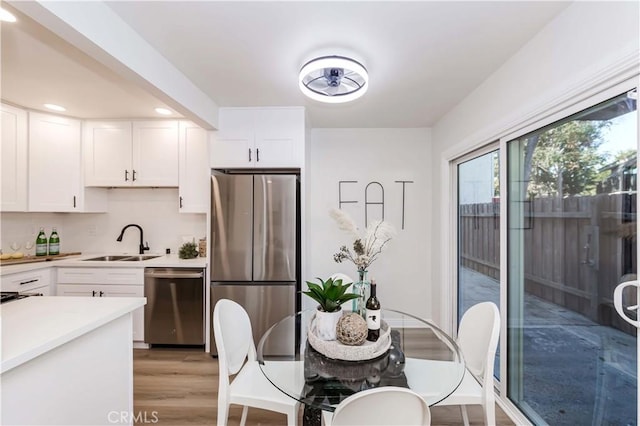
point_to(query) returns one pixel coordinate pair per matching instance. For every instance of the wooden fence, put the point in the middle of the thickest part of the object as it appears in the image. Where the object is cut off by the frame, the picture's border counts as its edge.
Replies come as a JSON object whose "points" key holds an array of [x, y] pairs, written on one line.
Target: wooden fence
{"points": [[576, 249]]}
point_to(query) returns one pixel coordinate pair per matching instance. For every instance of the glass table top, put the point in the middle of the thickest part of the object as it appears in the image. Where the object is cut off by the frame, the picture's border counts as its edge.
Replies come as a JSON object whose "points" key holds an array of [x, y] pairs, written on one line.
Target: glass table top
{"points": [[421, 357]]}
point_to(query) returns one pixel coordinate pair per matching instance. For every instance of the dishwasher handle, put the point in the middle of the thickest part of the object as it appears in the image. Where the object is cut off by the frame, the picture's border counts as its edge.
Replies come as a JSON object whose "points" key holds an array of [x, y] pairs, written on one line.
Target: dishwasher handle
{"points": [[174, 274]]}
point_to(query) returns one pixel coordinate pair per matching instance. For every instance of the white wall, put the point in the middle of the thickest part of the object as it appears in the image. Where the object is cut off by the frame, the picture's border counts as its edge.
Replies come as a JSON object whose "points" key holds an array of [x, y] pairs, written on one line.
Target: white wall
{"points": [[155, 210], [587, 43], [385, 156]]}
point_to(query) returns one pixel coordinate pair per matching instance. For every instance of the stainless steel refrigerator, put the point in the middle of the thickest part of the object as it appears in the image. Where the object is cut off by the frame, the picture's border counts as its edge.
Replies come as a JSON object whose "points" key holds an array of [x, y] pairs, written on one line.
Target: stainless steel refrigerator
{"points": [[255, 241]]}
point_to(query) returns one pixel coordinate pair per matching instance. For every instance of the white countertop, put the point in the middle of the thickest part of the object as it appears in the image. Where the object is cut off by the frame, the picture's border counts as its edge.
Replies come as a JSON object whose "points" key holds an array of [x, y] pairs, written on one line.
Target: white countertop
{"points": [[166, 261], [35, 325]]}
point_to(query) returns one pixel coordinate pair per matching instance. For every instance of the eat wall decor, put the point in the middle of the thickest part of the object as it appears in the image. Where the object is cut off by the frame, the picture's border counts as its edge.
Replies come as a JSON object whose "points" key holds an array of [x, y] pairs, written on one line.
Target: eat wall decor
{"points": [[373, 197]]}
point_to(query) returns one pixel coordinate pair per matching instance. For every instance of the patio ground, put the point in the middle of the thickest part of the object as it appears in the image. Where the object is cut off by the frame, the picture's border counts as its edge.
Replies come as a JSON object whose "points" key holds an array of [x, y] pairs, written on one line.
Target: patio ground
{"points": [[576, 371]]}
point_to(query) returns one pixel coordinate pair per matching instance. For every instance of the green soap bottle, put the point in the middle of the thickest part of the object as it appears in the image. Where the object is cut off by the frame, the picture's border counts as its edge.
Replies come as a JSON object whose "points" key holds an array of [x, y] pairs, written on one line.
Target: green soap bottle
{"points": [[41, 243], [54, 242]]}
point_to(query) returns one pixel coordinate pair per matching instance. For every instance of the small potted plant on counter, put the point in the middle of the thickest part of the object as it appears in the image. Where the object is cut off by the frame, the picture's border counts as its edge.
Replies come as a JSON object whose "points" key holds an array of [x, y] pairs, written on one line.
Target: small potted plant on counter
{"points": [[188, 251], [330, 294]]}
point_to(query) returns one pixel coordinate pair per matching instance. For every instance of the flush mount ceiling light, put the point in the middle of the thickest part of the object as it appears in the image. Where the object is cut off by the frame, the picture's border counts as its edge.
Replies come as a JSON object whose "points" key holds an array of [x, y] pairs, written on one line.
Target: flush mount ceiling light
{"points": [[55, 107], [333, 79], [6, 16], [163, 111]]}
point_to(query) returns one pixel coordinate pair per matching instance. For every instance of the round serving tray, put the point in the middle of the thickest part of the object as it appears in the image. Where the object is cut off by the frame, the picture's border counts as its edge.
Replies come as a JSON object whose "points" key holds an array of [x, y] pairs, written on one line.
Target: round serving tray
{"points": [[336, 350]]}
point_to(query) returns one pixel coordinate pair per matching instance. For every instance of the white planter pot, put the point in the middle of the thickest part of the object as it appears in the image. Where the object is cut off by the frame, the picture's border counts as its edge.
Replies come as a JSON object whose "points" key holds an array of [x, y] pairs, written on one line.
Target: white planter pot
{"points": [[326, 324]]}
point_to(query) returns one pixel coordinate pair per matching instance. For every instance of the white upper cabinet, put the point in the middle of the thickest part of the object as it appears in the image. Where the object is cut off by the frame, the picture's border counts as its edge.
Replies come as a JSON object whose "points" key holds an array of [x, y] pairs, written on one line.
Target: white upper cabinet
{"points": [[259, 138], [155, 153], [55, 167], [122, 153], [233, 144], [13, 162], [107, 153], [194, 169], [279, 137]]}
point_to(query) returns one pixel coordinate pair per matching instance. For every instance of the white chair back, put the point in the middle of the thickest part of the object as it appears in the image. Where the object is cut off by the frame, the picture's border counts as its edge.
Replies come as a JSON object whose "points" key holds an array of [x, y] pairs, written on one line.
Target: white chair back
{"points": [[340, 276], [620, 305], [478, 338], [234, 338], [385, 406]]}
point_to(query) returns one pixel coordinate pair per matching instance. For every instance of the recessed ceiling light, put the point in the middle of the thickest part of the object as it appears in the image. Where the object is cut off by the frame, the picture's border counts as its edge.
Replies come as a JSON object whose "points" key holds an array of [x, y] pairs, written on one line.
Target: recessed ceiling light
{"points": [[333, 79], [6, 16], [55, 107], [163, 111]]}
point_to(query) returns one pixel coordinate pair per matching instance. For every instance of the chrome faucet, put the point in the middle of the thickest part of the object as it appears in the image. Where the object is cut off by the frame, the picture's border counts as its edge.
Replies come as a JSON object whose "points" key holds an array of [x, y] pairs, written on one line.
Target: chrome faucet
{"points": [[143, 246]]}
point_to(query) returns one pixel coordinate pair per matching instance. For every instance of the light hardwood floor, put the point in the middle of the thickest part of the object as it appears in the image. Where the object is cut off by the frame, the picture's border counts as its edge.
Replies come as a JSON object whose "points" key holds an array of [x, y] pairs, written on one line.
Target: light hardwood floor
{"points": [[180, 387]]}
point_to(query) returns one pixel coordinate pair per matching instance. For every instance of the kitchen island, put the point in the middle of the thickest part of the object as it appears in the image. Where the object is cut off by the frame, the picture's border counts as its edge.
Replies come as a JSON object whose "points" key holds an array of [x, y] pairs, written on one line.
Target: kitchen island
{"points": [[67, 360]]}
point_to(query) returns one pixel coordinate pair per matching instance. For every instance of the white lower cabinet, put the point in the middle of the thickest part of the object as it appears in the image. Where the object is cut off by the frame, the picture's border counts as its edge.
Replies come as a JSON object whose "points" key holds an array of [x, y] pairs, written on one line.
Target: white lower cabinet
{"points": [[37, 281], [105, 282]]}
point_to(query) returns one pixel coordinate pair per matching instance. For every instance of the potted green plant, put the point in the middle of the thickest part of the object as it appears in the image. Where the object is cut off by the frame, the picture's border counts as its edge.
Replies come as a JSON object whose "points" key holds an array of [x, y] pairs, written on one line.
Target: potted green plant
{"points": [[329, 294], [188, 251]]}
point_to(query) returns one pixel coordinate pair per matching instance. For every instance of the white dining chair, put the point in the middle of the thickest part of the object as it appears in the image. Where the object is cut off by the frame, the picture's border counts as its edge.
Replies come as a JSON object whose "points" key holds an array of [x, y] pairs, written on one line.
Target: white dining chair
{"points": [[384, 406], [346, 279], [478, 339], [249, 388]]}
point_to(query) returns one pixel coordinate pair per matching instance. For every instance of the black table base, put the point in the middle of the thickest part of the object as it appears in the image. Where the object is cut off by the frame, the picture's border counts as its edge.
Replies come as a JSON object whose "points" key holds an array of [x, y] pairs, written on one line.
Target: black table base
{"points": [[311, 416], [329, 381]]}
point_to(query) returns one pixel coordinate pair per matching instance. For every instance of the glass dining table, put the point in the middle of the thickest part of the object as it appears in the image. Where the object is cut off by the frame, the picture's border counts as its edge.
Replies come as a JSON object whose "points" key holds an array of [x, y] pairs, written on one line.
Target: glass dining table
{"points": [[420, 357]]}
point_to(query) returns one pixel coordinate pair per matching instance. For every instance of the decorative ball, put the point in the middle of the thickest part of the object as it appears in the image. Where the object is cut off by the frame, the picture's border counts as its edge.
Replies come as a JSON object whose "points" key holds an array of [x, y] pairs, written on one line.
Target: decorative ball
{"points": [[351, 329]]}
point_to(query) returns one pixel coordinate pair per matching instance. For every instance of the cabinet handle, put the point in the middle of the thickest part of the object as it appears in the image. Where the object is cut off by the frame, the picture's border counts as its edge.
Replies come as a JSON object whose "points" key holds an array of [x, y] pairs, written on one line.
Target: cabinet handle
{"points": [[134, 176], [74, 201], [249, 154], [180, 202], [258, 154], [174, 275], [93, 293], [126, 175], [29, 282], [101, 293]]}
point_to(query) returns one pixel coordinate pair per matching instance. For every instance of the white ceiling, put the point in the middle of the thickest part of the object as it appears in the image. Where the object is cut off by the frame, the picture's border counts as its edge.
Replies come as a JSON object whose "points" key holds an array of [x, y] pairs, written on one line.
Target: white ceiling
{"points": [[422, 57], [38, 67]]}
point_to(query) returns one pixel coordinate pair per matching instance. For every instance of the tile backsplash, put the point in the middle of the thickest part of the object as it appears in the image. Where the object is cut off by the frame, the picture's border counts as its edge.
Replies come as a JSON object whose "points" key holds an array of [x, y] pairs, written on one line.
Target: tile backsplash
{"points": [[154, 209]]}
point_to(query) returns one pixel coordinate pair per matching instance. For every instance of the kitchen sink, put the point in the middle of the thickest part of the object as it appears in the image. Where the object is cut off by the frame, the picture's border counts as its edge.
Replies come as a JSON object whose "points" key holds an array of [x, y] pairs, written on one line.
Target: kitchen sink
{"points": [[139, 258], [126, 258], [106, 258]]}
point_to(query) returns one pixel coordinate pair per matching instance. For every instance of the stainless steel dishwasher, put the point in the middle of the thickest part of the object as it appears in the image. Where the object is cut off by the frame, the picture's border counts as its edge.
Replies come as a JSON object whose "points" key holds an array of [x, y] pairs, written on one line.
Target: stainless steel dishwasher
{"points": [[174, 313]]}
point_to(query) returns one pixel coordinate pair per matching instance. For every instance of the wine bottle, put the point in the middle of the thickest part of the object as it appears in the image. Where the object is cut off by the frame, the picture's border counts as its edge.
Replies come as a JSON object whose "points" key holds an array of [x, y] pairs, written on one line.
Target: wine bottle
{"points": [[54, 242], [41, 243], [373, 314]]}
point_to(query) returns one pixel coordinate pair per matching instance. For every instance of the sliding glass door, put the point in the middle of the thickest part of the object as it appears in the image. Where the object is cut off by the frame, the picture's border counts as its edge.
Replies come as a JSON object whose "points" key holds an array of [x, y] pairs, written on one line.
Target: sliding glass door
{"points": [[478, 191], [571, 236]]}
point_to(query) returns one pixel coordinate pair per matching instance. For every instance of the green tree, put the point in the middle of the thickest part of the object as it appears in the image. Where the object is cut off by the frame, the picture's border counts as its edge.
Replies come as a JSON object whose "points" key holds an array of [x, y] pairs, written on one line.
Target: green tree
{"points": [[624, 155], [564, 160]]}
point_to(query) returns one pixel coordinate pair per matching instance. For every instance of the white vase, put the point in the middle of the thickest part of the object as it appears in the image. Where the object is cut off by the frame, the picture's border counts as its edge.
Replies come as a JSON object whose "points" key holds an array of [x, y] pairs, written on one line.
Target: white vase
{"points": [[326, 323]]}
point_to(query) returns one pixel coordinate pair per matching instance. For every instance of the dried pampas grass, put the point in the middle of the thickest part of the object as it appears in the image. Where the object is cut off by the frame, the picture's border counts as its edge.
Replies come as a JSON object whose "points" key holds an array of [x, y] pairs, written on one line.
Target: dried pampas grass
{"points": [[344, 221], [367, 247]]}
